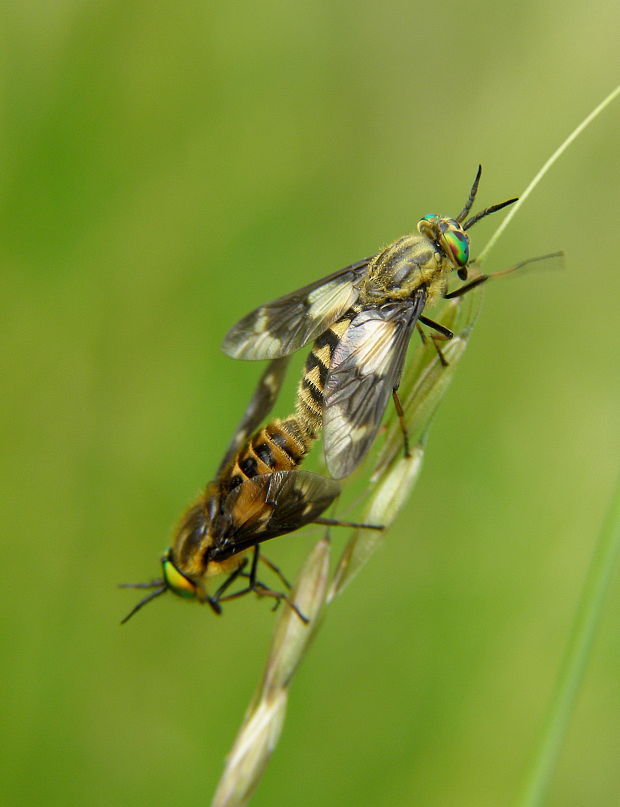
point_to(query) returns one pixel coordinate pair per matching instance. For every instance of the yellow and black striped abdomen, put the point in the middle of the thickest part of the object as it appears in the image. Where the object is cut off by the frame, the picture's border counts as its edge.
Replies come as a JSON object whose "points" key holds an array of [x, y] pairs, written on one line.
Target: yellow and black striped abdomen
{"points": [[309, 407], [279, 446], [282, 444]]}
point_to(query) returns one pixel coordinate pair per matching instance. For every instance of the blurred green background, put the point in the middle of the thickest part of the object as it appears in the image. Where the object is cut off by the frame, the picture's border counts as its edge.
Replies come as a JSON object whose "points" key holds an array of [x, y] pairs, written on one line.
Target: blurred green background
{"points": [[166, 167]]}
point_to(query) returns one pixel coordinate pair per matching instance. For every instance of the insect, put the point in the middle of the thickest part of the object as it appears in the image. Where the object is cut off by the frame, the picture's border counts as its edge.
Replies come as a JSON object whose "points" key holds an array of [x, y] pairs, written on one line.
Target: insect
{"points": [[258, 493], [363, 317]]}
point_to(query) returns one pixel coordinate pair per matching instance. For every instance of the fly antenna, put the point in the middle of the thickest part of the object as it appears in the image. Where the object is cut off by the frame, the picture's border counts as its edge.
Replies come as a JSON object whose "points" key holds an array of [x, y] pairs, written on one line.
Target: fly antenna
{"points": [[472, 196], [148, 598], [487, 211]]}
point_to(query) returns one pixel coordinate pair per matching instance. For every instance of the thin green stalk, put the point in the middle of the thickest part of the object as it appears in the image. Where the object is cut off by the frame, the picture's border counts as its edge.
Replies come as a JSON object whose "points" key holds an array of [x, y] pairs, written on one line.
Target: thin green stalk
{"points": [[552, 159], [577, 656]]}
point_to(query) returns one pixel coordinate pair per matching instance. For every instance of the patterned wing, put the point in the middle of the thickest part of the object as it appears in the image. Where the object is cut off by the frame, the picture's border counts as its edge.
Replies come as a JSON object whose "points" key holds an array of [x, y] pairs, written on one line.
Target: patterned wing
{"points": [[366, 367], [283, 326], [257, 410], [269, 505]]}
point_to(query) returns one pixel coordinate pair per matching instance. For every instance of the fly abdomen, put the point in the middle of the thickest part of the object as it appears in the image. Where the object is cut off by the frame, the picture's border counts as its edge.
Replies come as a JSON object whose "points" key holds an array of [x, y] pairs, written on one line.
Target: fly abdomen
{"points": [[288, 442], [282, 444], [309, 407], [279, 446]]}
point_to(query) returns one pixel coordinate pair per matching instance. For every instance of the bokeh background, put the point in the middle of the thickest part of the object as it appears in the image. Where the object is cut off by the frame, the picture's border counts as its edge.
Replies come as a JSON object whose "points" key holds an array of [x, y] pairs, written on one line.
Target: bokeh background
{"points": [[167, 166]]}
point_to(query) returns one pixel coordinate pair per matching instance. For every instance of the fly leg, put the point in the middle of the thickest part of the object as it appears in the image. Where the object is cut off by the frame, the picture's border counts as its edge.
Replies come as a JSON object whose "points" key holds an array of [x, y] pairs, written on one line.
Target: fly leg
{"points": [[152, 584], [334, 522], [442, 334], [261, 589], [160, 588], [276, 570], [279, 596], [401, 419], [473, 283], [482, 278], [215, 600]]}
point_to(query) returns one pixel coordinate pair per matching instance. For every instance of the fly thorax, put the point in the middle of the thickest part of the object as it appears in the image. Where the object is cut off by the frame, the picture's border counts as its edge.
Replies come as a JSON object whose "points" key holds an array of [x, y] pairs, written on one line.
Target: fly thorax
{"points": [[213, 498], [190, 536], [401, 268], [223, 546], [437, 285]]}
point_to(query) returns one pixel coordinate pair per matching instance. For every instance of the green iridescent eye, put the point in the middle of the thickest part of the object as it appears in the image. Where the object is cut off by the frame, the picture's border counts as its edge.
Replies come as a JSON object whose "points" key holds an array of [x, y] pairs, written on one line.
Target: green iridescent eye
{"points": [[177, 582], [458, 244]]}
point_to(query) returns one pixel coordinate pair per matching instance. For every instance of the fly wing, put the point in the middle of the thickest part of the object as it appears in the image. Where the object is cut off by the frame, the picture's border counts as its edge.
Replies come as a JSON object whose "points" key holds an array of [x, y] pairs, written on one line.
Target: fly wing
{"points": [[269, 505], [366, 367], [283, 326], [257, 410]]}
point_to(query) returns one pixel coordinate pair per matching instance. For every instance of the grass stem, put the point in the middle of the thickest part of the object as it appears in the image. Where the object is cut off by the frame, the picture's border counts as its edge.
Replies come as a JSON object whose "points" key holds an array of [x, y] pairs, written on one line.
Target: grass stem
{"points": [[577, 655], [552, 159]]}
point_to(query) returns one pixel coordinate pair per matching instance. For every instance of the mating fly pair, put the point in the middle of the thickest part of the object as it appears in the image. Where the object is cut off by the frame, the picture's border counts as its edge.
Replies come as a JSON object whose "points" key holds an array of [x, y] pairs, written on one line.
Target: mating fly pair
{"points": [[361, 319]]}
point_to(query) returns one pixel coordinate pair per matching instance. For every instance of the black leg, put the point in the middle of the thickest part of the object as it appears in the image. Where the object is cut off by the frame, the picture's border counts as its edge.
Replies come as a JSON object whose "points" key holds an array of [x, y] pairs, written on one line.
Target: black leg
{"points": [[280, 596], [445, 332], [436, 339], [334, 522], [214, 605], [276, 570], [403, 424], [264, 591], [152, 584], [229, 580], [143, 602], [235, 595], [467, 287], [483, 278], [254, 585], [442, 334], [254, 566]]}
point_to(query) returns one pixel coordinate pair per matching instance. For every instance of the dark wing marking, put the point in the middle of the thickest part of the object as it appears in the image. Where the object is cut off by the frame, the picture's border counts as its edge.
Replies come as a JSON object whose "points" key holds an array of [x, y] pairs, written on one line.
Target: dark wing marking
{"points": [[281, 327], [366, 366], [269, 505], [257, 410]]}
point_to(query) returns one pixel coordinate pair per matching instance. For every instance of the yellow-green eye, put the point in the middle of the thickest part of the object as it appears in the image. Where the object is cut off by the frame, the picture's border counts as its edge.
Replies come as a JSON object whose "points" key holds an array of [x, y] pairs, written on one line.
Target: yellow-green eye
{"points": [[458, 244], [175, 581]]}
